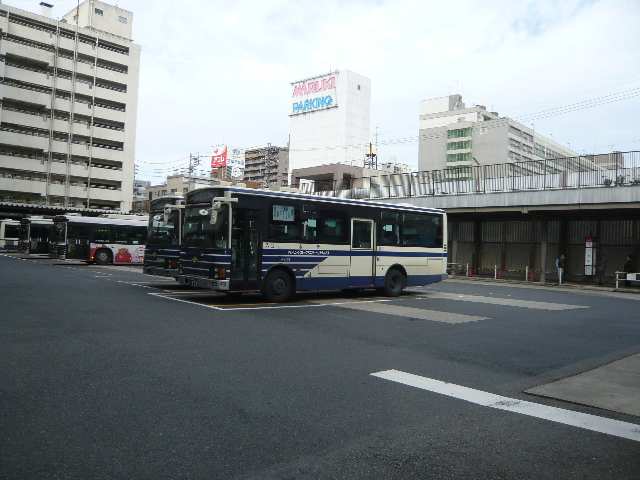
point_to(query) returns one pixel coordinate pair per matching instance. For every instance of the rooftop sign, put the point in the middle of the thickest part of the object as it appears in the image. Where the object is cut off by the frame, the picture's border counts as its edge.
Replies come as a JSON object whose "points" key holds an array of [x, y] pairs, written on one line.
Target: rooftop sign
{"points": [[313, 94]]}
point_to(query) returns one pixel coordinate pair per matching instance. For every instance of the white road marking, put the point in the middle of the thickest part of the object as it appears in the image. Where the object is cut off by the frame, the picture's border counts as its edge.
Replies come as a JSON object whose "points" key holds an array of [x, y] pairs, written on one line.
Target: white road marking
{"points": [[509, 302], [418, 313], [171, 296], [135, 284], [553, 414]]}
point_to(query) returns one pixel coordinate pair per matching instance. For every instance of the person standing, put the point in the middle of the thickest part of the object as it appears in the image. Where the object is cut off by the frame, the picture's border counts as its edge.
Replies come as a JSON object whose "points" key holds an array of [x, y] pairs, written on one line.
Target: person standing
{"points": [[560, 261]]}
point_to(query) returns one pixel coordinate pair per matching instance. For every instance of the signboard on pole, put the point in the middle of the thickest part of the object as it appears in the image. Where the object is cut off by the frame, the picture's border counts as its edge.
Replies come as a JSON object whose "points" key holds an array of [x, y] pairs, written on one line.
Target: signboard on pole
{"points": [[589, 257], [219, 157]]}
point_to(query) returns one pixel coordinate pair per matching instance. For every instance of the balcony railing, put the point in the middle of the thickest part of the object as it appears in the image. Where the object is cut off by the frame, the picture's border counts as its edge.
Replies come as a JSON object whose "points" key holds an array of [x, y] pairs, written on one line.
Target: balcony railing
{"points": [[617, 169]]}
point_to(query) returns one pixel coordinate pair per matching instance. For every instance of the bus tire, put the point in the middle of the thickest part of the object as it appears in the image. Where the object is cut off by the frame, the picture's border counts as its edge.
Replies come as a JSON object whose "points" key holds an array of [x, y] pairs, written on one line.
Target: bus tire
{"points": [[278, 286], [394, 282], [104, 257]]}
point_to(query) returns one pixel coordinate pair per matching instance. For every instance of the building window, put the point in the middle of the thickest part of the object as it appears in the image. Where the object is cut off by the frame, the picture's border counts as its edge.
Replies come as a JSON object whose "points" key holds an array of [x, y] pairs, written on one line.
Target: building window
{"points": [[459, 157], [459, 132], [466, 144], [99, 12], [122, 19]]}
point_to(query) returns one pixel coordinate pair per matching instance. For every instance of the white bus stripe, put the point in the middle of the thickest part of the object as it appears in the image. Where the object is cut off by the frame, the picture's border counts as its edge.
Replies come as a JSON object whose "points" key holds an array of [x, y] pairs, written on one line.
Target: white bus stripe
{"points": [[553, 414]]}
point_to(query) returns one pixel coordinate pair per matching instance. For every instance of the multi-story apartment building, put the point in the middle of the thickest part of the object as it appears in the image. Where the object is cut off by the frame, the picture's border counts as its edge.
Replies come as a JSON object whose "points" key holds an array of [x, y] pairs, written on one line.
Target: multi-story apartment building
{"points": [[453, 135], [179, 185], [267, 165], [69, 92]]}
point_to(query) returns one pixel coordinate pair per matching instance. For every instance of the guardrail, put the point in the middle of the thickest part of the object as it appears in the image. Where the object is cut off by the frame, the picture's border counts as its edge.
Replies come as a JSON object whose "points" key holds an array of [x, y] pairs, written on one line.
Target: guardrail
{"points": [[616, 169], [465, 269], [626, 277]]}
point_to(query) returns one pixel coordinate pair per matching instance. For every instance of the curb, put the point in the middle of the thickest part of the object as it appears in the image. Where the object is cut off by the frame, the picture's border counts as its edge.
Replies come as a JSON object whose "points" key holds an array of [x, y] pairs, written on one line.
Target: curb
{"points": [[569, 286]]}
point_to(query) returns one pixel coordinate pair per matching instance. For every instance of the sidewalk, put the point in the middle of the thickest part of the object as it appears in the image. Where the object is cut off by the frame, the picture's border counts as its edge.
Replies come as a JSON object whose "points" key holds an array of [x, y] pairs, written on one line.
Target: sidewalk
{"points": [[548, 285]]}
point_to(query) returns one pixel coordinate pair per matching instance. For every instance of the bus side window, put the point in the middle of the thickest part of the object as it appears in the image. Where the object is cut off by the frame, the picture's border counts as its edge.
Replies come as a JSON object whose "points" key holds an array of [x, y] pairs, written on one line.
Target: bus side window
{"points": [[421, 230], [129, 235], [103, 234], [310, 230], [333, 229], [283, 226], [389, 229]]}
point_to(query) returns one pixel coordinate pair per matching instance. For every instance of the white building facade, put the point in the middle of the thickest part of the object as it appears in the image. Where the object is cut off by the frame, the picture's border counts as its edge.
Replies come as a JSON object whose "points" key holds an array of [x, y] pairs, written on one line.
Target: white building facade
{"points": [[454, 135], [69, 94], [329, 120]]}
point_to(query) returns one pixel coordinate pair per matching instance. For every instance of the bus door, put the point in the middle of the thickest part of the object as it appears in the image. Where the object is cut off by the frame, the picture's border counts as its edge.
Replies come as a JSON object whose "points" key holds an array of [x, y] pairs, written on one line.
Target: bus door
{"points": [[245, 241], [362, 269]]}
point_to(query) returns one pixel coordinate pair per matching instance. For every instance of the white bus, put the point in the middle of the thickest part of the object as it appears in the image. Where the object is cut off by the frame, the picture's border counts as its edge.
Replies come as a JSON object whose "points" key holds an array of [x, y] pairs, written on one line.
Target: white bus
{"points": [[34, 235], [238, 239], [9, 234], [99, 240]]}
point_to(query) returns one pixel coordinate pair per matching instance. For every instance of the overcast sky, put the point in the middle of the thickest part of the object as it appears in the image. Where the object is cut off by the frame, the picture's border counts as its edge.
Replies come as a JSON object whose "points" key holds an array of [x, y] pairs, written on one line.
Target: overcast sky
{"points": [[217, 72]]}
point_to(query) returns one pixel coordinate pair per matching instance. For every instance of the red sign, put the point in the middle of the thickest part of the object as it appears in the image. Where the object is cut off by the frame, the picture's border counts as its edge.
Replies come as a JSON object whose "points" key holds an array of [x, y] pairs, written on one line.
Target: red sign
{"points": [[219, 157]]}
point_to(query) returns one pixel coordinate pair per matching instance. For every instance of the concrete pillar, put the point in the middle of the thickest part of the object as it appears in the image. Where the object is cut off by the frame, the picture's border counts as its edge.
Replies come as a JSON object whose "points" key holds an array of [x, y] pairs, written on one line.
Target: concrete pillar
{"points": [[503, 246], [543, 251], [477, 244], [563, 246]]}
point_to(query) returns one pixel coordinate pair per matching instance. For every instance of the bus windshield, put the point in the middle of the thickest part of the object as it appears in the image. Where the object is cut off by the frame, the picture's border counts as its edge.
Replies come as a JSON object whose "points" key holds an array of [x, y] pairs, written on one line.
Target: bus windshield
{"points": [[198, 230], [163, 233]]}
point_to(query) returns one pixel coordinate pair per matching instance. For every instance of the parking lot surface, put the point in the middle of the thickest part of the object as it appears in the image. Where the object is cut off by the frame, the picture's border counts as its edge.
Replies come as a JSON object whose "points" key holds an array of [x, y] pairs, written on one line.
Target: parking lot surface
{"points": [[109, 373]]}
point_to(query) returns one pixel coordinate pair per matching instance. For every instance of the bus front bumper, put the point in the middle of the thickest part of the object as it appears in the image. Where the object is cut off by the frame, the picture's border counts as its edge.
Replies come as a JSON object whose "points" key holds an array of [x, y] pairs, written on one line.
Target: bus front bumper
{"points": [[200, 282]]}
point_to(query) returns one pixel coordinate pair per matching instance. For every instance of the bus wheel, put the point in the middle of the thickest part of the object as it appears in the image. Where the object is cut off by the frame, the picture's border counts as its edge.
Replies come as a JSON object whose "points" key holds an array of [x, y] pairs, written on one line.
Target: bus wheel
{"points": [[104, 257], [278, 286], [394, 282]]}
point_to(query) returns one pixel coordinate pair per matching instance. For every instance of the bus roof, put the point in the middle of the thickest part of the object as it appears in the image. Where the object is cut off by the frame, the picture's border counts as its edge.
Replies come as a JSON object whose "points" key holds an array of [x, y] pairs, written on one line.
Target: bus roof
{"points": [[37, 220], [321, 199], [133, 222]]}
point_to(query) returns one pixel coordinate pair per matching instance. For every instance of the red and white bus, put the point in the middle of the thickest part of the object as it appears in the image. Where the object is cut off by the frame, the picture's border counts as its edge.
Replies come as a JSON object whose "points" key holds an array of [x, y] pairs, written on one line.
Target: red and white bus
{"points": [[118, 241]]}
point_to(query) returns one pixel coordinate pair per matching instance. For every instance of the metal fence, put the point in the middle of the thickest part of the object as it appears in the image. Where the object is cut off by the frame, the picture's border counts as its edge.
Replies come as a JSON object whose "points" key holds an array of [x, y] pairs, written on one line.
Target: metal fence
{"points": [[617, 169]]}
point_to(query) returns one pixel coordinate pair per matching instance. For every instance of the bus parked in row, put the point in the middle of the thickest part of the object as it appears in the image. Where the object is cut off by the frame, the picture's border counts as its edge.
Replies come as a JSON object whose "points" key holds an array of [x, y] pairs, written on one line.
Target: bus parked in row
{"points": [[100, 240], [9, 234], [34, 235], [163, 236], [239, 239]]}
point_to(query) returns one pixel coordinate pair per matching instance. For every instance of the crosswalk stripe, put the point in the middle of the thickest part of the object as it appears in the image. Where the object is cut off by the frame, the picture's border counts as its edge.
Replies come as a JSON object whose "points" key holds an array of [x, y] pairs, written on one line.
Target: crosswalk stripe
{"points": [[508, 302], [411, 312]]}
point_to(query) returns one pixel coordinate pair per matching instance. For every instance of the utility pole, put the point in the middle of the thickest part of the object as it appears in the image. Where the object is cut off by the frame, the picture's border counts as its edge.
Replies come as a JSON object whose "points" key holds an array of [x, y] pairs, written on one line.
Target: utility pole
{"points": [[371, 158], [194, 161]]}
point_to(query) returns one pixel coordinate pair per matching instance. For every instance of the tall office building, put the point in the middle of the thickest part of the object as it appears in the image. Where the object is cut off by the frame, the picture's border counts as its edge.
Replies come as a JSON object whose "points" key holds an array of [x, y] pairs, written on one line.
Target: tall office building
{"points": [[69, 93], [329, 120], [454, 135]]}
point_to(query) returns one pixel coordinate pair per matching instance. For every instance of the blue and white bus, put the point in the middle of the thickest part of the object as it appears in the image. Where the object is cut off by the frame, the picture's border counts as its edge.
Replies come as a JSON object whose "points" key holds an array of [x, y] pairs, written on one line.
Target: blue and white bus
{"points": [[240, 239], [162, 250]]}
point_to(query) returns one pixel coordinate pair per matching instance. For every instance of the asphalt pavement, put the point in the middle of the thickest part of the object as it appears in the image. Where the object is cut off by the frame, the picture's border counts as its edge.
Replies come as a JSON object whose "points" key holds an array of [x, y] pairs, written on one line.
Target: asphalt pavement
{"points": [[107, 373]]}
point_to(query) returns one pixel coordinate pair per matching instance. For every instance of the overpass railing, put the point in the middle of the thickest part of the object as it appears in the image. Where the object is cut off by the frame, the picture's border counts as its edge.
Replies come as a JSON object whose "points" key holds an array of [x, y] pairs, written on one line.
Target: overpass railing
{"points": [[617, 169]]}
